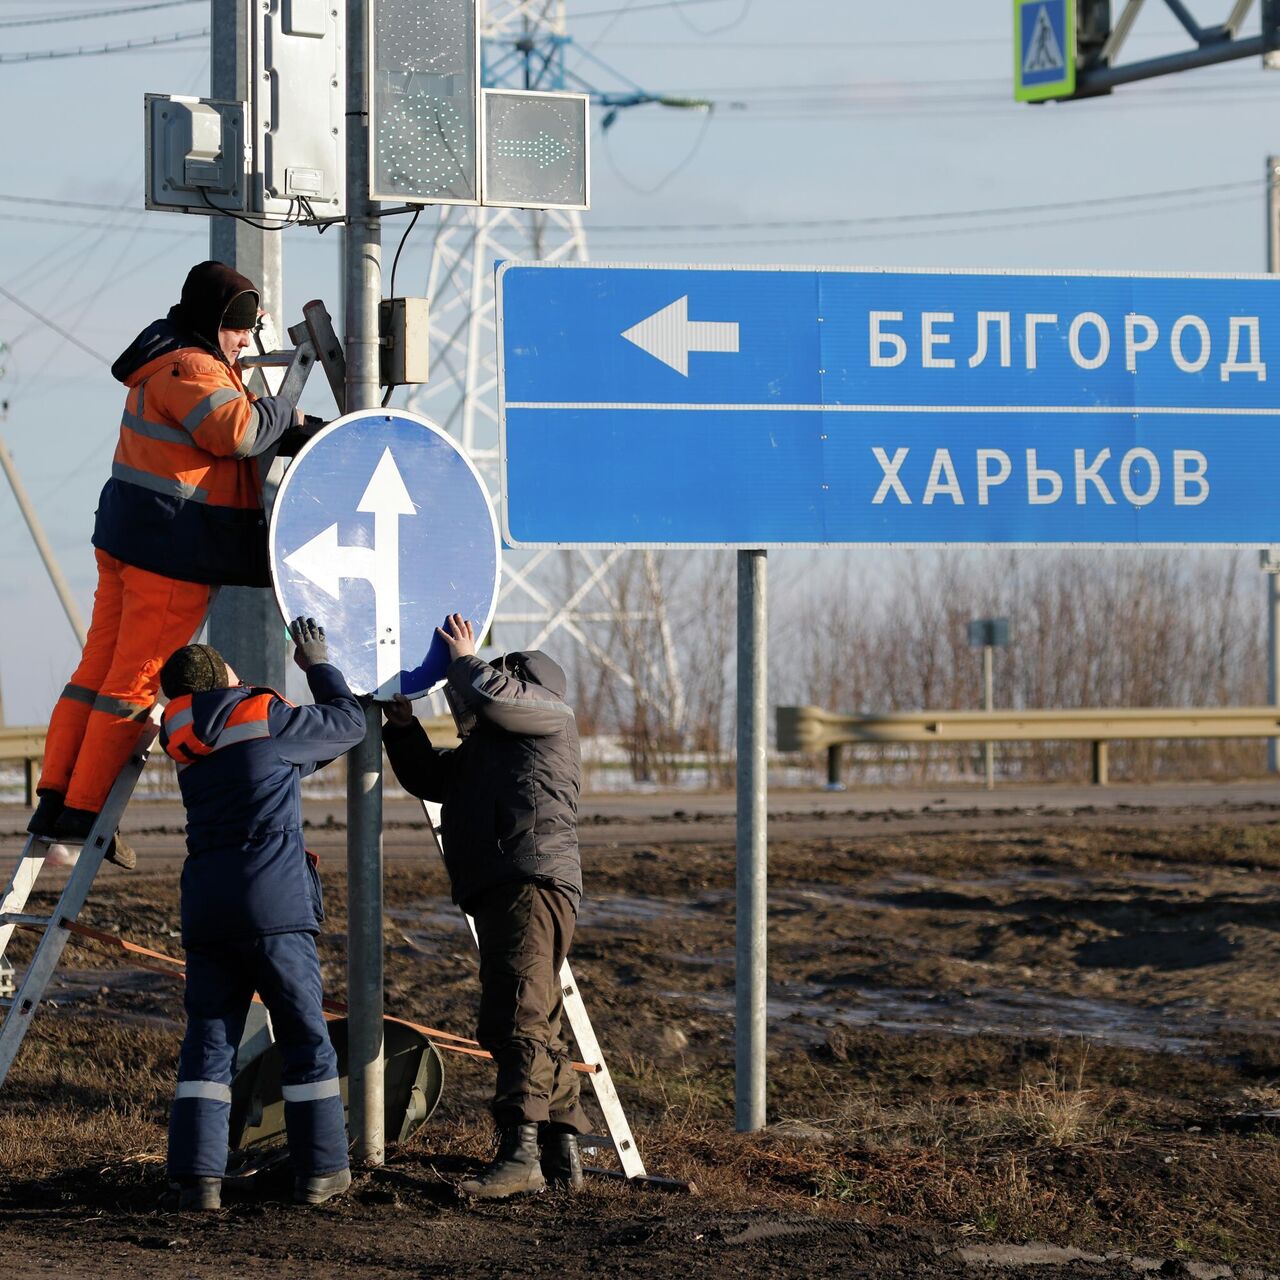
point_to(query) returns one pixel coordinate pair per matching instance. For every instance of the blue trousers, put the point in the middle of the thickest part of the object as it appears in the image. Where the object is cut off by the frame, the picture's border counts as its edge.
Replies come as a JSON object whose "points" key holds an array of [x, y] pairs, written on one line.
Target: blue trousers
{"points": [[284, 970]]}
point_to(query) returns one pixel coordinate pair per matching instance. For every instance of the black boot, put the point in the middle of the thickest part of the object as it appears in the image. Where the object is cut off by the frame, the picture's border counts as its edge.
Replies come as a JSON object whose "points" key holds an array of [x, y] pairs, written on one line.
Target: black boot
{"points": [[515, 1169], [46, 814], [562, 1160], [316, 1188], [198, 1195]]}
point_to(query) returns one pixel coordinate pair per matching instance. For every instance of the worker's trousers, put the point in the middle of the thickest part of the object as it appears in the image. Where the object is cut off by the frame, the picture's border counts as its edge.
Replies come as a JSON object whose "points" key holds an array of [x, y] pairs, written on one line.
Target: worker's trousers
{"points": [[285, 971], [139, 619], [524, 932]]}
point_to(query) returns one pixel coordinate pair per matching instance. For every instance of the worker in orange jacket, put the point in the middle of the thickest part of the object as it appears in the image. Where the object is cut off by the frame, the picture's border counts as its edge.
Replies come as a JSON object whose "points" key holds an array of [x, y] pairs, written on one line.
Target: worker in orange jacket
{"points": [[181, 514]]}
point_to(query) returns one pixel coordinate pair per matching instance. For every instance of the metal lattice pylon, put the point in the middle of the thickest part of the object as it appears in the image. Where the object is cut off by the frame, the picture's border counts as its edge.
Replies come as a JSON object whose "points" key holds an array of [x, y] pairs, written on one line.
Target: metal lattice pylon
{"points": [[610, 604]]}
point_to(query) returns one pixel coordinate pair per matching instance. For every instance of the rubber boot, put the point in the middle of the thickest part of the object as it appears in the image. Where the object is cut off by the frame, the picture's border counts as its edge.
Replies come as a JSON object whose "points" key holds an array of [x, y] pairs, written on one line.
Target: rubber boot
{"points": [[320, 1187], [47, 813], [198, 1195], [73, 827], [562, 1161], [515, 1170]]}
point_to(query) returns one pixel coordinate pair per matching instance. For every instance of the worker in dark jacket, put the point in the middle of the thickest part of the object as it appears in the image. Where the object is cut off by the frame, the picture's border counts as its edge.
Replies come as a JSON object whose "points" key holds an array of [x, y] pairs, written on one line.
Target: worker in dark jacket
{"points": [[509, 793], [180, 514], [251, 907]]}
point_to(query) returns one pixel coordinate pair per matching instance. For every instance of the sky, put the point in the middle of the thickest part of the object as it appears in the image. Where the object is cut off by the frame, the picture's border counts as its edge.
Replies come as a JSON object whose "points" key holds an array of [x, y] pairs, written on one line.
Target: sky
{"points": [[843, 132]]}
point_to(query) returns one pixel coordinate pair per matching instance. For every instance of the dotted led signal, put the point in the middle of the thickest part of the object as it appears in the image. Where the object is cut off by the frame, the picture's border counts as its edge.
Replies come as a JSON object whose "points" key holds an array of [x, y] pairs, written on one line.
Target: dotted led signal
{"points": [[423, 130]]}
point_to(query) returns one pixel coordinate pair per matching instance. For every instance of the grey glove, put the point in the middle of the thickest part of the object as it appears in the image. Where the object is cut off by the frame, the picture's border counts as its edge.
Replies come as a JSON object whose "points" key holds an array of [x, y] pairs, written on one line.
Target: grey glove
{"points": [[308, 635]]}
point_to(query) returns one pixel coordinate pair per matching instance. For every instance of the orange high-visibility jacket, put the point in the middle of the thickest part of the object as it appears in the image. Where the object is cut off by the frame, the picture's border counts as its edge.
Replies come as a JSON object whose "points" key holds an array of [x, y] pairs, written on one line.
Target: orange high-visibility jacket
{"points": [[184, 499]]}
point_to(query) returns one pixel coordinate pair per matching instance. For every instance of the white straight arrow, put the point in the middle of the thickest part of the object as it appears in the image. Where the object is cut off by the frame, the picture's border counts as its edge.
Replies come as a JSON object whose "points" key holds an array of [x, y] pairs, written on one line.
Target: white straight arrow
{"points": [[326, 563], [669, 335]]}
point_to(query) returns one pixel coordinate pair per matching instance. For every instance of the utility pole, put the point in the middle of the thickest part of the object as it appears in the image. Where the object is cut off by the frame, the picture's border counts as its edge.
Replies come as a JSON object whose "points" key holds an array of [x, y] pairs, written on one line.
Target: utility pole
{"points": [[245, 623], [362, 274], [52, 568], [1270, 559]]}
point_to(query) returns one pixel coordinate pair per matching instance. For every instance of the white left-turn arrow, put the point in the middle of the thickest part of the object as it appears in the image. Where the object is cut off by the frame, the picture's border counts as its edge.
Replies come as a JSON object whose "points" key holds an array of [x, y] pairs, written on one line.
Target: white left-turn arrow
{"points": [[669, 335], [326, 563]]}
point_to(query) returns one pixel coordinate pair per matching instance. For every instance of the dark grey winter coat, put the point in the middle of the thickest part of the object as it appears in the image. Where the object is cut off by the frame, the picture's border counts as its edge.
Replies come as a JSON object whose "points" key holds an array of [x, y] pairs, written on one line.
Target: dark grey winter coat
{"points": [[509, 791]]}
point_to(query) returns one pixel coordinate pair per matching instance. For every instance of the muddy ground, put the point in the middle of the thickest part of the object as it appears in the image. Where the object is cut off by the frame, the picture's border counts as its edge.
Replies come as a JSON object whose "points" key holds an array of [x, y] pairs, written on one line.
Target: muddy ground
{"points": [[1027, 1041]]}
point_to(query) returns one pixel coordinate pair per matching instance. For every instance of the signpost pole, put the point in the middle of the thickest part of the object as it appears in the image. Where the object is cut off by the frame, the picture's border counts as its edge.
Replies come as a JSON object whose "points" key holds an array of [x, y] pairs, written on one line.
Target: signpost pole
{"points": [[752, 868], [362, 274], [988, 701], [1270, 563]]}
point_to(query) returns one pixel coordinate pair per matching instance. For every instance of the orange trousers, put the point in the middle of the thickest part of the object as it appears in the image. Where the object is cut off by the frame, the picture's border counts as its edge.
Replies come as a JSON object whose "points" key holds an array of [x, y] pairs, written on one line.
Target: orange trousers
{"points": [[139, 619]]}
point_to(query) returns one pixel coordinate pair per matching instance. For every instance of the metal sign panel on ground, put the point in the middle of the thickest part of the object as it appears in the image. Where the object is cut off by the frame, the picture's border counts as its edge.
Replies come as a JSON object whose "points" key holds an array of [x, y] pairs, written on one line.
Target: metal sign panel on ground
{"points": [[769, 406], [380, 530]]}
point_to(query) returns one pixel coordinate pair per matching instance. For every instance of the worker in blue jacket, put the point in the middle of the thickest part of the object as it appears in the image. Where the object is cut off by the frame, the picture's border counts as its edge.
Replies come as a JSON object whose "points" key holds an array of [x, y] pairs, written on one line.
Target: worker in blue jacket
{"points": [[251, 907]]}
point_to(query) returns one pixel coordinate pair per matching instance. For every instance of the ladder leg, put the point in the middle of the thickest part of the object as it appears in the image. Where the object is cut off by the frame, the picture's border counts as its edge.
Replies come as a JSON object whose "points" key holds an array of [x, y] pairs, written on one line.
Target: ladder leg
{"points": [[601, 1081], [21, 883], [74, 894]]}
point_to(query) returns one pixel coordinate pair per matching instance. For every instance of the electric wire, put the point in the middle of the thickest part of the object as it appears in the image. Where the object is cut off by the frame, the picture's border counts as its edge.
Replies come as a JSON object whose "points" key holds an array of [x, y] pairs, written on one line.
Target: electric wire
{"points": [[53, 324], [126, 46], [938, 232], [714, 31], [671, 175], [93, 14]]}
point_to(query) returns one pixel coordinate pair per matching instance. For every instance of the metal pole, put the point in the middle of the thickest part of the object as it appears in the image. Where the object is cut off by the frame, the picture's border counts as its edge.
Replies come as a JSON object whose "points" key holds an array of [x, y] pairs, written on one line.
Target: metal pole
{"points": [[1270, 562], [989, 702], [42, 544], [834, 782], [752, 966], [362, 272], [244, 625]]}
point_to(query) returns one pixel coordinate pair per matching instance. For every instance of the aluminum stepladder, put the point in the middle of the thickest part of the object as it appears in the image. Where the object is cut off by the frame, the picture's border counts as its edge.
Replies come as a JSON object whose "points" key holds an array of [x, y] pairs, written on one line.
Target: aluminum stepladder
{"points": [[314, 340], [575, 1009], [20, 1009]]}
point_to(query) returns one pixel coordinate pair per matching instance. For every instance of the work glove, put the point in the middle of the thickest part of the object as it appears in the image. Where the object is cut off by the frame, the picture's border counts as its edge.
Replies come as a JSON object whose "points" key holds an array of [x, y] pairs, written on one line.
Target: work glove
{"points": [[308, 636], [292, 441]]}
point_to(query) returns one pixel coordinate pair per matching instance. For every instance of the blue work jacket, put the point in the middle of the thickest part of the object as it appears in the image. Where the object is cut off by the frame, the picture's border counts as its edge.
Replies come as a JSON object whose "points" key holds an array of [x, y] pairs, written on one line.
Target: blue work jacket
{"points": [[241, 756]]}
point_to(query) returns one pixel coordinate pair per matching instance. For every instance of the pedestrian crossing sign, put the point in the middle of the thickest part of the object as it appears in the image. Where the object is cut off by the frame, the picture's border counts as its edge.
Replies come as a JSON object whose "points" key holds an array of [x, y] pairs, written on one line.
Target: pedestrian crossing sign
{"points": [[1044, 46]]}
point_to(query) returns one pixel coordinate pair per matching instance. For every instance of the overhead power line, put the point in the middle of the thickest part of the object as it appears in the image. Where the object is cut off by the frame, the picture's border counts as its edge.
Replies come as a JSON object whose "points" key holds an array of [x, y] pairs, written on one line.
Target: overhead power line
{"points": [[785, 224], [997, 211], [52, 324], [92, 51], [88, 15]]}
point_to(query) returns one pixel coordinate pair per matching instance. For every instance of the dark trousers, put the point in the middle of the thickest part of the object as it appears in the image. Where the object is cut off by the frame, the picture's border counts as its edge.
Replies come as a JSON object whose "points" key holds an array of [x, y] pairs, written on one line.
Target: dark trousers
{"points": [[524, 931], [284, 970]]}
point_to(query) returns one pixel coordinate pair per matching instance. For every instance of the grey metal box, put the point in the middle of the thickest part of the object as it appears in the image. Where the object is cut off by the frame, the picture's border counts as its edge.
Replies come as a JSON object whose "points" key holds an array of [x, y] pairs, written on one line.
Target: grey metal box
{"points": [[406, 341], [424, 77], [195, 154], [298, 107], [536, 149]]}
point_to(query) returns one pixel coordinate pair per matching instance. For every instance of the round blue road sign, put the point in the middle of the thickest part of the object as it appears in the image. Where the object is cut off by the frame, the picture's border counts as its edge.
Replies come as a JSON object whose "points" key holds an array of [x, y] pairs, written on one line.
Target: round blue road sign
{"points": [[381, 529]]}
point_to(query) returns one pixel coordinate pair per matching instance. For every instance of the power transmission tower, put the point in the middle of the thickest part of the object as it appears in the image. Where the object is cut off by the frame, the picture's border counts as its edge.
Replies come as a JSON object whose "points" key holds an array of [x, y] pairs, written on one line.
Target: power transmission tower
{"points": [[609, 604]]}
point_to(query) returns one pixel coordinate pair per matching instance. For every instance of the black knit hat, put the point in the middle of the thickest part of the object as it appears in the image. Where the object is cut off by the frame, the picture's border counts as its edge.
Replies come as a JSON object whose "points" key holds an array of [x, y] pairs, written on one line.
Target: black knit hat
{"points": [[241, 312], [209, 291], [195, 668]]}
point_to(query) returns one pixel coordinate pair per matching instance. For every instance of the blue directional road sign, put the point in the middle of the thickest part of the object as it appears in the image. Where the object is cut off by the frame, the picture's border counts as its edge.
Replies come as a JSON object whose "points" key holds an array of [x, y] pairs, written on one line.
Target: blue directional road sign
{"points": [[766, 406], [380, 530]]}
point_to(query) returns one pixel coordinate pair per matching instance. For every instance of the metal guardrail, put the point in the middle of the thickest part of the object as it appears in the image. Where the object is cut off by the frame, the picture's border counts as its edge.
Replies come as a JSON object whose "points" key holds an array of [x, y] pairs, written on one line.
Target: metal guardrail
{"points": [[811, 729], [25, 742]]}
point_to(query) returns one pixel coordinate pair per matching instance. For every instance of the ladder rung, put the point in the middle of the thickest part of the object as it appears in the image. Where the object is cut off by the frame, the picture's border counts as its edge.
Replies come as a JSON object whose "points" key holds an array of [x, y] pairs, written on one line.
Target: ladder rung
{"points": [[18, 917]]}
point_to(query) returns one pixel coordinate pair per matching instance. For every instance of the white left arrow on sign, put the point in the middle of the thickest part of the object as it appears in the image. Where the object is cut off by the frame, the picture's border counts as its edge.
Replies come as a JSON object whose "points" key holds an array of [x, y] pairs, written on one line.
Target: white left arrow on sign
{"points": [[670, 336], [325, 562]]}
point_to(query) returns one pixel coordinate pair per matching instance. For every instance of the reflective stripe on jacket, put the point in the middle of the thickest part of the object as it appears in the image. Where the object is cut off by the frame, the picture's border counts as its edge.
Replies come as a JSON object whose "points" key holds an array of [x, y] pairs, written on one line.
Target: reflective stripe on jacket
{"points": [[241, 755], [183, 499]]}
